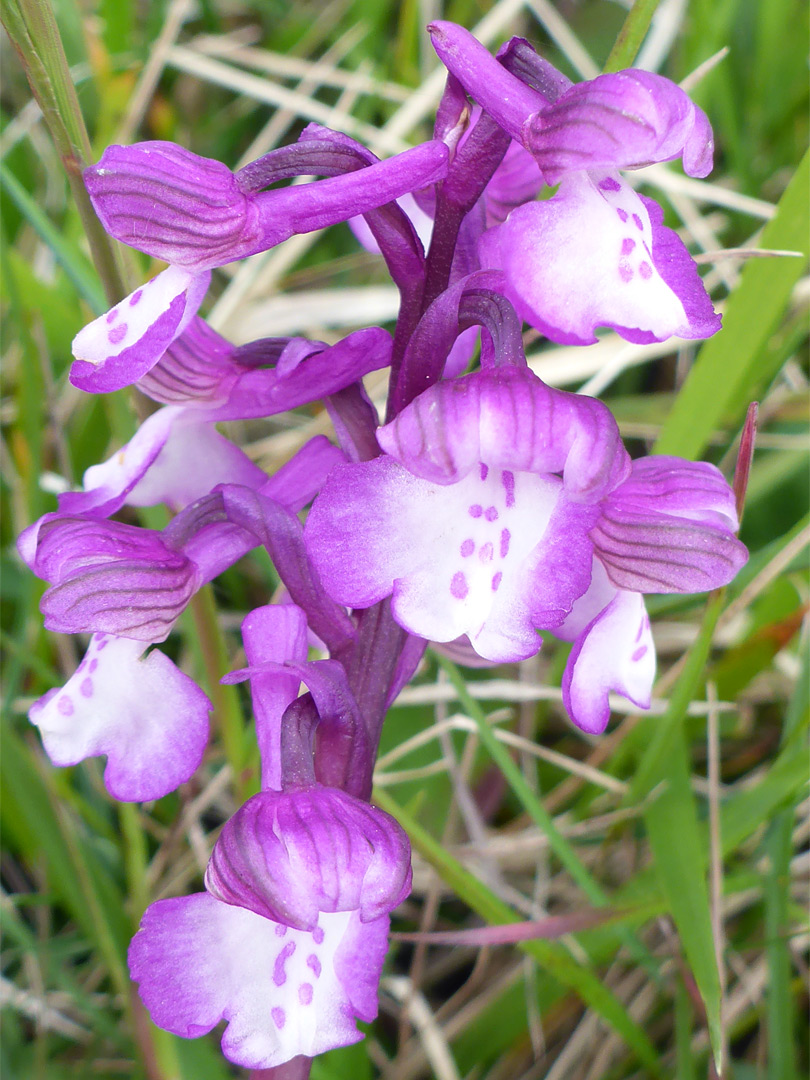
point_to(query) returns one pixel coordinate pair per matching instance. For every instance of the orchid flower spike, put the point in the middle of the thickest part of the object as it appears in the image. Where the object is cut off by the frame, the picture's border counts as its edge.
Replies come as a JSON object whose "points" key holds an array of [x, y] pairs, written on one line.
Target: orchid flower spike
{"points": [[596, 253]]}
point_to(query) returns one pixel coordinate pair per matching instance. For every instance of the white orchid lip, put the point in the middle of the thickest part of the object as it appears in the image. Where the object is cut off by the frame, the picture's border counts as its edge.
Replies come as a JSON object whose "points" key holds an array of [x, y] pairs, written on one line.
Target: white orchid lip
{"points": [[143, 713]]}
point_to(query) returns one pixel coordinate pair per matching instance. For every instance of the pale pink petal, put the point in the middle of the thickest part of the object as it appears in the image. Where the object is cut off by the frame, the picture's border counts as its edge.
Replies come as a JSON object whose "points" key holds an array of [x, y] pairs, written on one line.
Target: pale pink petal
{"points": [[149, 718], [118, 348], [194, 459], [283, 992], [594, 256], [466, 558], [615, 652]]}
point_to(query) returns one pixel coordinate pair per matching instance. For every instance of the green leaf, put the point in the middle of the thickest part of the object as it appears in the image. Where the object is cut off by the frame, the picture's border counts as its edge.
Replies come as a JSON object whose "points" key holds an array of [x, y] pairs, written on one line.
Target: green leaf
{"points": [[631, 35], [679, 849], [674, 832], [727, 371]]}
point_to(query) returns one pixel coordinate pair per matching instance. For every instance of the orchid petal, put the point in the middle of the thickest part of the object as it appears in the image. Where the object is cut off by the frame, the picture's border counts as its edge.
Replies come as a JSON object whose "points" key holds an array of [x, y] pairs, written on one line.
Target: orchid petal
{"points": [[455, 557], [511, 420], [111, 577], [273, 632], [173, 204], [670, 528], [149, 718], [289, 855], [304, 374], [216, 460], [623, 119], [614, 652], [505, 98], [199, 367], [120, 347], [283, 992], [596, 254], [109, 485]]}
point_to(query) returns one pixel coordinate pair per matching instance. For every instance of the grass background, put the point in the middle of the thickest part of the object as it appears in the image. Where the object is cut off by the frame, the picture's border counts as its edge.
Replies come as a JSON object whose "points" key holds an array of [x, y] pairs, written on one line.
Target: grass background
{"points": [[690, 825]]}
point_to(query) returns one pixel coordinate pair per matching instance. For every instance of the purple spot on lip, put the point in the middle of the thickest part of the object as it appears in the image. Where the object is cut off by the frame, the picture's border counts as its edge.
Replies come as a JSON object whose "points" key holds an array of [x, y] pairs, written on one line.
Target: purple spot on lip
{"points": [[305, 994], [118, 333], [86, 688], [491, 514], [609, 184], [112, 315], [281, 929], [314, 965], [637, 221], [640, 631], [496, 581], [623, 215], [625, 273], [458, 586], [317, 935], [645, 270], [485, 553], [65, 706], [102, 644], [476, 511], [279, 1017], [484, 471], [467, 548], [637, 655], [506, 536], [627, 245], [279, 974], [93, 665], [133, 300], [508, 480]]}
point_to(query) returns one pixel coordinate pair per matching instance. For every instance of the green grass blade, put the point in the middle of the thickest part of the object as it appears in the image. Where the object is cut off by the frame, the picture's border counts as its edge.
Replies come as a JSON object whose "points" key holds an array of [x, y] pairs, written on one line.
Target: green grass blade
{"points": [[679, 848], [552, 957], [780, 1002], [631, 35], [672, 823]]}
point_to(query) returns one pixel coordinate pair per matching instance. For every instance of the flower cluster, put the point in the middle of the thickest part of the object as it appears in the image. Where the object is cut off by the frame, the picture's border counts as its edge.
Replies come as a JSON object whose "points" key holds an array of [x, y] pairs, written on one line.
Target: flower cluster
{"points": [[486, 508]]}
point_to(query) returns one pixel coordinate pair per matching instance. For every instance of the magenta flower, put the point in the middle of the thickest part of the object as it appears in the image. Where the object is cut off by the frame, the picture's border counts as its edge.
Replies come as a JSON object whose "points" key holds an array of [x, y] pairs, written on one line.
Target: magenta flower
{"points": [[288, 943], [196, 215], [128, 586], [596, 253], [495, 499]]}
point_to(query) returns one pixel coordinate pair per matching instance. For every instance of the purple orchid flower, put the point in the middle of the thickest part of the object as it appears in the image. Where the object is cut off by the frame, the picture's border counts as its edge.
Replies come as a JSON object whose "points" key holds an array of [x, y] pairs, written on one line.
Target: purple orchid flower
{"points": [[288, 943], [196, 215], [596, 253], [486, 512], [128, 586]]}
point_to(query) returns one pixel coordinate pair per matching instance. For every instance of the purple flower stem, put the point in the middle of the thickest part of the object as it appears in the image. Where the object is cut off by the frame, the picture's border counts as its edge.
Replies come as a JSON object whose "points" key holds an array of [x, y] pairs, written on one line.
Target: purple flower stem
{"points": [[469, 174], [372, 667], [297, 1068]]}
